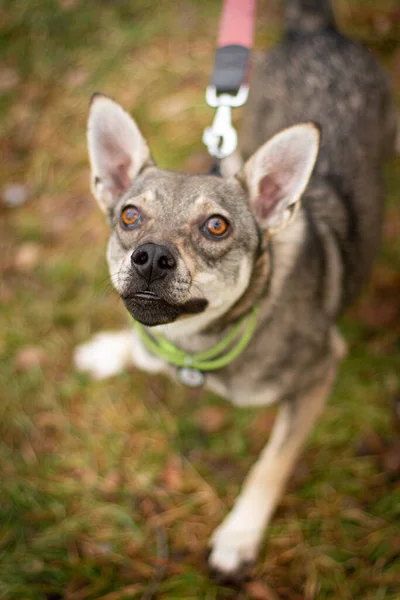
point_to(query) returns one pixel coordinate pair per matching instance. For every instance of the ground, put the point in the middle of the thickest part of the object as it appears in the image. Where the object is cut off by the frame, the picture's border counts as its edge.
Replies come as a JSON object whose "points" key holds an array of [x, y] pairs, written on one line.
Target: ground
{"points": [[109, 491]]}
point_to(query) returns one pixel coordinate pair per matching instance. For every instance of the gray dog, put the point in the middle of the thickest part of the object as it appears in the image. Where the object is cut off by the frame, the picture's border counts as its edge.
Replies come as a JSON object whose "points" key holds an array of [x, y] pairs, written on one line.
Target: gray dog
{"points": [[273, 253]]}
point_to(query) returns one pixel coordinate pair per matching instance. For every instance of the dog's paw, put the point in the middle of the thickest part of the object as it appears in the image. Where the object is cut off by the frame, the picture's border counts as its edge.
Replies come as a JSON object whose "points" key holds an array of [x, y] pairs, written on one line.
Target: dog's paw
{"points": [[106, 354], [232, 554]]}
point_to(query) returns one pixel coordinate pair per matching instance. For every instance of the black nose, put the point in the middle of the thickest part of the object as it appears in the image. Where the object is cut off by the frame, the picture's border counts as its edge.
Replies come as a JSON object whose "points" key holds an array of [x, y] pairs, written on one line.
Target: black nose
{"points": [[152, 261]]}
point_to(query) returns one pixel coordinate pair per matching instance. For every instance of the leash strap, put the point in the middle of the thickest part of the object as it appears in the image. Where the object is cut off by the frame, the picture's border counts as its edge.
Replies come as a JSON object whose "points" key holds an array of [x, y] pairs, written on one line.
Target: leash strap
{"points": [[228, 87], [234, 45]]}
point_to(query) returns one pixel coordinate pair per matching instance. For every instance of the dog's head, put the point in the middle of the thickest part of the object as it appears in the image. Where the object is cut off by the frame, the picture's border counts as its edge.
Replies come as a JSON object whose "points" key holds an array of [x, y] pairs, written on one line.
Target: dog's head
{"points": [[183, 246]]}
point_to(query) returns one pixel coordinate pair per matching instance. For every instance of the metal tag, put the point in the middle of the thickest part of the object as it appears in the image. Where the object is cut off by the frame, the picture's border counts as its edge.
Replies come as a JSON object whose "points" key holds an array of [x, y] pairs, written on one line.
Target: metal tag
{"points": [[191, 377]]}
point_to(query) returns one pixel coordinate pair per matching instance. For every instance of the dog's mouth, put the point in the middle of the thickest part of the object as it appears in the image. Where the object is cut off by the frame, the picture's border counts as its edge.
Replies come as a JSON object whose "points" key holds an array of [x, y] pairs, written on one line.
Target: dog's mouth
{"points": [[147, 295], [150, 309]]}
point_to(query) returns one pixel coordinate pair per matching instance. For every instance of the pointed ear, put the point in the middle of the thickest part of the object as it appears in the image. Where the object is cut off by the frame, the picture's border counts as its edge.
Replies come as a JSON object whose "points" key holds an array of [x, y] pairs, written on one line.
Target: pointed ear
{"points": [[277, 174], [117, 150]]}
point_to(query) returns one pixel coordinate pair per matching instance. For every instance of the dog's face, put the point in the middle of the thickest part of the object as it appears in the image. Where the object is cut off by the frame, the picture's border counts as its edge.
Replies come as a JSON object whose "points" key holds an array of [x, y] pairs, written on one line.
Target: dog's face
{"points": [[180, 245], [183, 246]]}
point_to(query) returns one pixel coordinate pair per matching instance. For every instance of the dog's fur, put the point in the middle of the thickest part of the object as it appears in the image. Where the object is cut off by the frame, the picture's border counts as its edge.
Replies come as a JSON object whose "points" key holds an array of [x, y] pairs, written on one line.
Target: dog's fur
{"points": [[300, 269]]}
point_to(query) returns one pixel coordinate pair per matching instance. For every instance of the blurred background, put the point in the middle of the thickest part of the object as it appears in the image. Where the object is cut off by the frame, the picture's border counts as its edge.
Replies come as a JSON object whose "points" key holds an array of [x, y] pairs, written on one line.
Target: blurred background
{"points": [[110, 490]]}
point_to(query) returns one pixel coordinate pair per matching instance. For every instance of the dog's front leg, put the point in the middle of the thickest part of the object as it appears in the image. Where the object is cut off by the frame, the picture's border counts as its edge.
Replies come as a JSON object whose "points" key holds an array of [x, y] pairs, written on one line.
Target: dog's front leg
{"points": [[236, 541], [110, 352]]}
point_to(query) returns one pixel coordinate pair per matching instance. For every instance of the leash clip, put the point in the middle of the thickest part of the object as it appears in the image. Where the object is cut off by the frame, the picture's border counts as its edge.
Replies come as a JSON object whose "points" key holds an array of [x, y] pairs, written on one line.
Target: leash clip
{"points": [[221, 137]]}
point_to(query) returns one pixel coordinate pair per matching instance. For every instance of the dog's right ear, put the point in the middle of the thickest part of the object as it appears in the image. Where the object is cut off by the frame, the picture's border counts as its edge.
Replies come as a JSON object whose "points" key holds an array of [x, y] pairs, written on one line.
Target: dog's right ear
{"points": [[117, 150]]}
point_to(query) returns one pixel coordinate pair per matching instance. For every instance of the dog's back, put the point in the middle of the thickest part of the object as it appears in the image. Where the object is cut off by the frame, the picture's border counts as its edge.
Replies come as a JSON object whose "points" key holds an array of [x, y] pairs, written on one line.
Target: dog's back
{"points": [[317, 74]]}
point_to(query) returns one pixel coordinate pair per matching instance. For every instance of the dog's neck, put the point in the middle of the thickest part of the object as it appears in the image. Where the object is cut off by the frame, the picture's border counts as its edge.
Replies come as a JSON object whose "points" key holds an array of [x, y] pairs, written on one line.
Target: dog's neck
{"points": [[185, 331], [188, 329], [256, 289]]}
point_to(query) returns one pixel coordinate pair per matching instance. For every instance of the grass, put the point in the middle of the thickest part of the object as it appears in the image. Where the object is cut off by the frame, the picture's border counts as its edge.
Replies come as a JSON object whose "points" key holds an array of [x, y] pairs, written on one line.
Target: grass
{"points": [[110, 491]]}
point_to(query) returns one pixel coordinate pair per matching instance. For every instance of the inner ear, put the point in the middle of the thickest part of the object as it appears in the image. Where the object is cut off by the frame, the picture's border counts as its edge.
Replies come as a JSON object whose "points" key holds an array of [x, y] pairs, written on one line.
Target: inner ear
{"points": [[119, 173], [269, 193], [117, 150]]}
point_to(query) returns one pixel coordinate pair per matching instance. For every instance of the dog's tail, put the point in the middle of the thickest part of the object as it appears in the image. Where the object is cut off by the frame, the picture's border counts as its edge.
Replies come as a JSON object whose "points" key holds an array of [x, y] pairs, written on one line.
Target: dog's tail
{"points": [[309, 16]]}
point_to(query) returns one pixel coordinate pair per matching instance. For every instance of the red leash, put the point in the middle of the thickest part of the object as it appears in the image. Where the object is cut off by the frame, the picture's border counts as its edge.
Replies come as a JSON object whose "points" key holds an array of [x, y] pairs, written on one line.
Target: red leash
{"points": [[228, 83], [234, 45]]}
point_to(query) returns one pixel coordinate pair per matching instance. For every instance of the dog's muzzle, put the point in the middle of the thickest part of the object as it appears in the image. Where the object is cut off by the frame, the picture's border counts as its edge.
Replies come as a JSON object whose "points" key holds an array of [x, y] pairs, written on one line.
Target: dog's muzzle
{"points": [[154, 266], [150, 309]]}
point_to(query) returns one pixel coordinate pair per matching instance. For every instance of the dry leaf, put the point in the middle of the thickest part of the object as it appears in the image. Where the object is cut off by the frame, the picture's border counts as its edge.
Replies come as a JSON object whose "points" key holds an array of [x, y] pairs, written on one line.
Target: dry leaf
{"points": [[211, 419], [111, 482], [9, 79], [258, 590], [172, 475], [27, 256], [391, 459], [29, 357]]}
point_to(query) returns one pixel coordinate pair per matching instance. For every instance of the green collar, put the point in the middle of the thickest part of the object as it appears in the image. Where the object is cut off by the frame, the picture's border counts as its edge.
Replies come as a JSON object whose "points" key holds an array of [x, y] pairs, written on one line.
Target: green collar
{"points": [[192, 366]]}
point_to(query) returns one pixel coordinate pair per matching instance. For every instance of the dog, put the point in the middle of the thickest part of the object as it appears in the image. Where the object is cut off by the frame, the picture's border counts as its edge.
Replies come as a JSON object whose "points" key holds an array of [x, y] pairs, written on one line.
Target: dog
{"points": [[286, 243]]}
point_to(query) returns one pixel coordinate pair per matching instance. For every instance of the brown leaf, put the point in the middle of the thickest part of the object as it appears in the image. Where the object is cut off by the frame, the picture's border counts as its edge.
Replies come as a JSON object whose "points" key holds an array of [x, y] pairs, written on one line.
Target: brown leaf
{"points": [[378, 312], [67, 5], [76, 78], [27, 256], [396, 413], [6, 295], [391, 459], [260, 591], [300, 474], [148, 507], [29, 357], [262, 424], [86, 475], [259, 430], [211, 419], [111, 482], [9, 79], [370, 444], [380, 308], [50, 421], [172, 475]]}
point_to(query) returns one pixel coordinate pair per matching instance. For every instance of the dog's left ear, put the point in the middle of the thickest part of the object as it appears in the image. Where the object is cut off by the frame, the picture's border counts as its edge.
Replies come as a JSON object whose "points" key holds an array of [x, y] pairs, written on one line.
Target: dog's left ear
{"points": [[277, 174], [117, 150]]}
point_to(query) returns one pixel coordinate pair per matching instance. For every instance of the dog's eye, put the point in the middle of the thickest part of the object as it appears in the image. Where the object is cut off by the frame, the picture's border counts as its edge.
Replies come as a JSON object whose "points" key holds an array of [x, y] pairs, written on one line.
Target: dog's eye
{"points": [[216, 227], [130, 217]]}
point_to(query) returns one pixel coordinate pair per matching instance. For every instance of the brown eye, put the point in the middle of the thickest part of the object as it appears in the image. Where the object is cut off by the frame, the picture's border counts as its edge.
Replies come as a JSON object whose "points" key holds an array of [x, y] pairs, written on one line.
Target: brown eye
{"points": [[216, 226], [130, 217]]}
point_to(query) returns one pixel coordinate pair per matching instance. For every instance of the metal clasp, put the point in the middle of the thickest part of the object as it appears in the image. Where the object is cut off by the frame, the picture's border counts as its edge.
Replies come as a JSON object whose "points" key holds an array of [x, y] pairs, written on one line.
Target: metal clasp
{"points": [[221, 137]]}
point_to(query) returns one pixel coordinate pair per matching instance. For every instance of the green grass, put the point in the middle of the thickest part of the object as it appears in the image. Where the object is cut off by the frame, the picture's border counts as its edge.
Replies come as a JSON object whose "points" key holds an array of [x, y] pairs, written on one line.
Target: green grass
{"points": [[110, 490]]}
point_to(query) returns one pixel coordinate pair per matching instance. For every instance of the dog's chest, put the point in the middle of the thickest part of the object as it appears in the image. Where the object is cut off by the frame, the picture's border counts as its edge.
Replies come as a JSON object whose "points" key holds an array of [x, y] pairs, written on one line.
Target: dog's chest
{"points": [[279, 356]]}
